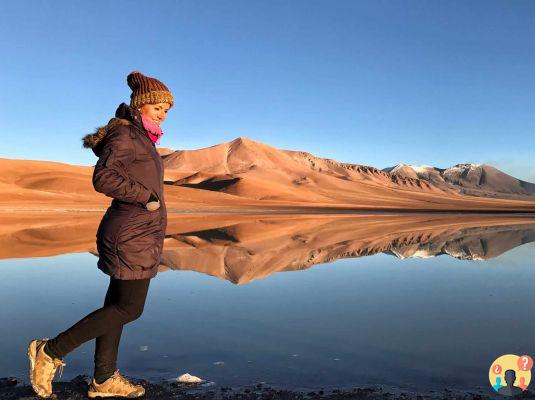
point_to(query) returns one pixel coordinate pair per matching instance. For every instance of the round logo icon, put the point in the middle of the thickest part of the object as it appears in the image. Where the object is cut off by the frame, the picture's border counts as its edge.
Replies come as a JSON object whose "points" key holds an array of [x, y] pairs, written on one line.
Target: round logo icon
{"points": [[510, 374]]}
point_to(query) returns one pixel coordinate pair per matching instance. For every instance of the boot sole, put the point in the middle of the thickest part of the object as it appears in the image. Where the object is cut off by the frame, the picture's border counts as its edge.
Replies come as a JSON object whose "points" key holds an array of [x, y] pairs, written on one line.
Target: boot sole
{"points": [[92, 395], [32, 355]]}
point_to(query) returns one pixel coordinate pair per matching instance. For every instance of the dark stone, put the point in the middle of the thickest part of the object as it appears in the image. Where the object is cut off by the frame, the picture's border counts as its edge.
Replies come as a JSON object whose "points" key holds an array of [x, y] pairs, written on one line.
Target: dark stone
{"points": [[7, 382]]}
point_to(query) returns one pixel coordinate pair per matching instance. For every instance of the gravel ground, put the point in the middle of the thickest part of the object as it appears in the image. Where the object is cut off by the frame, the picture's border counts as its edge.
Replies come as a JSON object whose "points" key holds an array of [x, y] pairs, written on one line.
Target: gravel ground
{"points": [[76, 389]]}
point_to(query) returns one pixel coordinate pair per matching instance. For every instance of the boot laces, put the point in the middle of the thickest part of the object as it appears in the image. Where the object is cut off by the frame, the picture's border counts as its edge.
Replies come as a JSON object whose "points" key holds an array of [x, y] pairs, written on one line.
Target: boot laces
{"points": [[123, 380], [58, 363]]}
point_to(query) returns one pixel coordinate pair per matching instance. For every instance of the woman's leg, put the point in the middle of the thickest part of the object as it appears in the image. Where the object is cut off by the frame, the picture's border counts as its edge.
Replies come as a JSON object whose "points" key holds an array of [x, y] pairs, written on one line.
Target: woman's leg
{"points": [[106, 349], [127, 300], [107, 345]]}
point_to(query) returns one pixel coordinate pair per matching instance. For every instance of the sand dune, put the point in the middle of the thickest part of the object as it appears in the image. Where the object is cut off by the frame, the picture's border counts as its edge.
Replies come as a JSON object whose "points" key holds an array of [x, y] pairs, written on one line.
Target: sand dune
{"points": [[245, 174], [242, 248]]}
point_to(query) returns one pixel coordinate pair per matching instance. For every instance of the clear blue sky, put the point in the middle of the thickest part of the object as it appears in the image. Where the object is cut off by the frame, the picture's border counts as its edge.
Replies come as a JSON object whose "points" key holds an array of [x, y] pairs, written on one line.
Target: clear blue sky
{"points": [[369, 82]]}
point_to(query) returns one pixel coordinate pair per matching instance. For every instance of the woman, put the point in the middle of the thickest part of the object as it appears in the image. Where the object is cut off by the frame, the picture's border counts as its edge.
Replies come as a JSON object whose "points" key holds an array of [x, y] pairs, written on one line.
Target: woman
{"points": [[129, 238]]}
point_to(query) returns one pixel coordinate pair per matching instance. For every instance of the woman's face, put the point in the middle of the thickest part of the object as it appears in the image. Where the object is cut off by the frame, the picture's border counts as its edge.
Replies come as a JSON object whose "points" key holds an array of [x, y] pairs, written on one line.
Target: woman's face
{"points": [[155, 112]]}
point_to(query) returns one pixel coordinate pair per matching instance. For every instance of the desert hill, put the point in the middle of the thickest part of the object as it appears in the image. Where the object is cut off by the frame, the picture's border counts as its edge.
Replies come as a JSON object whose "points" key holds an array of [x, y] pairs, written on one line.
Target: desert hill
{"points": [[246, 174], [244, 166], [255, 170]]}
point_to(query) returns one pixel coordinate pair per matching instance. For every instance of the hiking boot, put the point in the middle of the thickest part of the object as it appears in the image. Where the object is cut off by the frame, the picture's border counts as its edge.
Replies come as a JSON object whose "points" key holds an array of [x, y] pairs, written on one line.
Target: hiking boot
{"points": [[115, 386], [42, 368]]}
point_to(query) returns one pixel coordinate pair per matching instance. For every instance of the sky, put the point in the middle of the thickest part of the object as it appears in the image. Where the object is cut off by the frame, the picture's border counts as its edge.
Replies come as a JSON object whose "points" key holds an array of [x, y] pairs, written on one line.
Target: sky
{"points": [[367, 82]]}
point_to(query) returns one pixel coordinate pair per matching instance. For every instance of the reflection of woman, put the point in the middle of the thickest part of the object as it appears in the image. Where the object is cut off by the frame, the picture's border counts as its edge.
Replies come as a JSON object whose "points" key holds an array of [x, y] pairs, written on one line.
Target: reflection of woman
{"points": [[129, 238]]}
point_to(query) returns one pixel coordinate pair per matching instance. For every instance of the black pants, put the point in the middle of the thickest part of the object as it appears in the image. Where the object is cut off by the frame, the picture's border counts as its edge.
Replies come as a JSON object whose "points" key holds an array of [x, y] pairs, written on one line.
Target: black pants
{"points": [[124, 303]]}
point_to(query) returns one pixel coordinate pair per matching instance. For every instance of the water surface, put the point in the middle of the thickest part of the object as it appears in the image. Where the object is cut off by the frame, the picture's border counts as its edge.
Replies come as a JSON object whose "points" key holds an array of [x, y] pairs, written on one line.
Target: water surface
{"points": [[409, 308]]}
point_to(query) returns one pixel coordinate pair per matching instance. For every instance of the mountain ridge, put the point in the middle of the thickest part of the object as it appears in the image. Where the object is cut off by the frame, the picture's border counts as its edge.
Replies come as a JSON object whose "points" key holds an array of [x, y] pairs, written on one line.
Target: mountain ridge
{"points": [[477, 179], [247, 174], [234, 160]]}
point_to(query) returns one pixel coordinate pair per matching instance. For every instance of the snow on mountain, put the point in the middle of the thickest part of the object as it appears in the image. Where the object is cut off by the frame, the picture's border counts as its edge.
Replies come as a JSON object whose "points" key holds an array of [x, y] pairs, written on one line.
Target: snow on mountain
{"points": [[468, 178]]}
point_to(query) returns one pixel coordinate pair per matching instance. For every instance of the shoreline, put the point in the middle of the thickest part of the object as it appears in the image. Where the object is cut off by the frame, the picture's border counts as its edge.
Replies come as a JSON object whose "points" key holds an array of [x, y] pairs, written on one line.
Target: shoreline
{"points": [[76, 389], [318, 211]]}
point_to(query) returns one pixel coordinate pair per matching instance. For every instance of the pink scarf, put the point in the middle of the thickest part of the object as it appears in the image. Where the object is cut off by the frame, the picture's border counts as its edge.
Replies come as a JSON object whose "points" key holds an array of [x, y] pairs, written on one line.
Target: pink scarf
{"points": [[154, 130]]}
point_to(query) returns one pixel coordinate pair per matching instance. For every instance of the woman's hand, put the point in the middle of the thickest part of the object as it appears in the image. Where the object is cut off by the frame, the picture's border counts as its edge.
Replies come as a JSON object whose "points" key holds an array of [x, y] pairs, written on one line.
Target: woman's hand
{"points": [[111, 171], [153, 204]]}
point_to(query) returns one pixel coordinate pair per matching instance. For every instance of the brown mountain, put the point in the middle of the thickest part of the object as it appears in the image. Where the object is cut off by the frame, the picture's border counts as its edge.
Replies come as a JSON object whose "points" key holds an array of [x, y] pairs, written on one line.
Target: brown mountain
{"points": [[255, 170], [245, 174], [471, 179]]}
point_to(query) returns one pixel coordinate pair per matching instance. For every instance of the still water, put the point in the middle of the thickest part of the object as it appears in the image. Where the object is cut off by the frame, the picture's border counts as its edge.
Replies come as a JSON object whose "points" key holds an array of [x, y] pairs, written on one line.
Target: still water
{"points": [[418, 315]]}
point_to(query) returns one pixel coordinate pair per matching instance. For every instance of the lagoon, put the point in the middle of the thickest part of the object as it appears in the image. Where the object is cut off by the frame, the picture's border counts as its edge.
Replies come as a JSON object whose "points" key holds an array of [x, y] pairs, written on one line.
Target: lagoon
{"points": [[409, 320]]}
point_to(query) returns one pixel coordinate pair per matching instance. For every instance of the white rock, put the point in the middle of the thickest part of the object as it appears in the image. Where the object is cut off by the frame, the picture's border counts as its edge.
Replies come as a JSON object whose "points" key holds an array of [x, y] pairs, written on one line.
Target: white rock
{"points": [[187, 378]]}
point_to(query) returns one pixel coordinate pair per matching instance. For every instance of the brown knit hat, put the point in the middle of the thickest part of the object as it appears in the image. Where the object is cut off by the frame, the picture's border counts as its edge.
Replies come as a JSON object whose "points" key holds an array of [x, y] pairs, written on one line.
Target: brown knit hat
{"points": [[146, 90]]}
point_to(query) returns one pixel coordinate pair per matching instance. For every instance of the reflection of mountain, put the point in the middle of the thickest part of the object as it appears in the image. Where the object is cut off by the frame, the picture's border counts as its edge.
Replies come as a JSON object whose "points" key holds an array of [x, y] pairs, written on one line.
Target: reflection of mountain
{"points": [[246, 251], [469, 244], [242, 248]]}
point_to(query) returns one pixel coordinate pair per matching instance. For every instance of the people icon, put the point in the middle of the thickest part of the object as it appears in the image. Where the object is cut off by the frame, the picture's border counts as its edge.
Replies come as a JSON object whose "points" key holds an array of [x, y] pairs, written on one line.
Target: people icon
{"points": [[510, 389], [498, 384], [522, 385], [510, 374]]}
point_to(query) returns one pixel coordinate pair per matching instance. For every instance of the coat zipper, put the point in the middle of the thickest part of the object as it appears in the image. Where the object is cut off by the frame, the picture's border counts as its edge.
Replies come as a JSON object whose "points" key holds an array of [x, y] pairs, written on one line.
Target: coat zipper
{"points": [[154, 147], [158, 166]]}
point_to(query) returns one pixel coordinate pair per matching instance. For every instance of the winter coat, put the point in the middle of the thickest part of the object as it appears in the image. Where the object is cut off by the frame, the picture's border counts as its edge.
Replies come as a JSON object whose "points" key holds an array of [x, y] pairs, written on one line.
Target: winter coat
{"points": [[129, 237]]}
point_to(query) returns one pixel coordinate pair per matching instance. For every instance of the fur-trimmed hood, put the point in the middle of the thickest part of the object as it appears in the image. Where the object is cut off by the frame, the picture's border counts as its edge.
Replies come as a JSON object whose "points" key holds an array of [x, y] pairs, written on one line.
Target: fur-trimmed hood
{"points": [[124, 115], [92, 140]]}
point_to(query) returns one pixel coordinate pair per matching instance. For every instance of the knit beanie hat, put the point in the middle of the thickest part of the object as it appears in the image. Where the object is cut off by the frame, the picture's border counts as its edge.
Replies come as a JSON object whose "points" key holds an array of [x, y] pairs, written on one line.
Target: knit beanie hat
{"points": [[147, 90]]}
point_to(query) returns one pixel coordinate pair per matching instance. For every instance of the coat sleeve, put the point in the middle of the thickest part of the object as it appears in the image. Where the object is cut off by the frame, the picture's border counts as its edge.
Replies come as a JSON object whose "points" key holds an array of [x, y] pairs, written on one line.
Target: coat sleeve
{"points": [[111, 171]]}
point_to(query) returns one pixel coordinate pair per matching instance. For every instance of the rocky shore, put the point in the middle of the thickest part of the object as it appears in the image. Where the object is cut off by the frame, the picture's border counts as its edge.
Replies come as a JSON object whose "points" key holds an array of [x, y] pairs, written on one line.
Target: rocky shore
{"points": [[76, 389]]}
